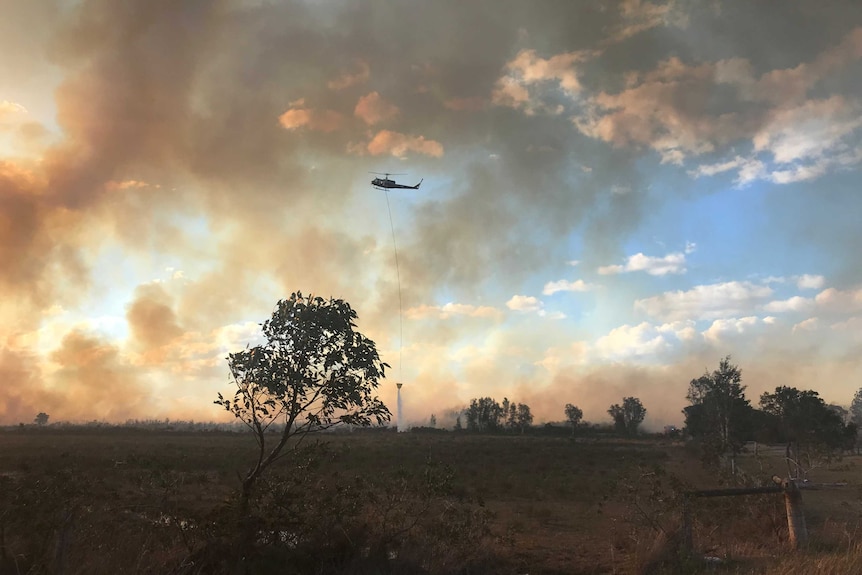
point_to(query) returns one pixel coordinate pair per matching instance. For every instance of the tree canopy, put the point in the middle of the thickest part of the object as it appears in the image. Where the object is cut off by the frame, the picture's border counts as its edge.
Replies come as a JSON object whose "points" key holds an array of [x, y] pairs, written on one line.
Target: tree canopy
{"points": [[719, 414], [314, 371], [628, 416]]}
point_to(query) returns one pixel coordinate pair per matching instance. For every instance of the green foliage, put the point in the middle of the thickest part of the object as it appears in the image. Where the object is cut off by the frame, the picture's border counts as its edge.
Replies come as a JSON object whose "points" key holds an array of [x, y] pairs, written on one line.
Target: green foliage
{"points": [[314, 371], [719, 415], [803, 420], [485, 415], [628, 416], [574, 415], [856, 408]]}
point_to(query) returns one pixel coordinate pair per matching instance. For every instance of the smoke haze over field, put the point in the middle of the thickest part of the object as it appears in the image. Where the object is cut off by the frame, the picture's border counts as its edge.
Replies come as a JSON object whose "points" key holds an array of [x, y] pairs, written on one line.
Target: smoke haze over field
{"points": [[616, 195]]}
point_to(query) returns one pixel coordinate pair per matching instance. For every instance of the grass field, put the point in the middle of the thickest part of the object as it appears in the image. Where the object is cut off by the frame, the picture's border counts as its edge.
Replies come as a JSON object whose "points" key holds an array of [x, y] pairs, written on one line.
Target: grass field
{"points": [[120, 500]]}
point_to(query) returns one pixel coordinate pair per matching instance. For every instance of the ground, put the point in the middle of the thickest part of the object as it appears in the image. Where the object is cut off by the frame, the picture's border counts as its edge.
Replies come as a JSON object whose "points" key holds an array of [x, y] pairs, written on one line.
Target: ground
{"points": [[100, 498]]}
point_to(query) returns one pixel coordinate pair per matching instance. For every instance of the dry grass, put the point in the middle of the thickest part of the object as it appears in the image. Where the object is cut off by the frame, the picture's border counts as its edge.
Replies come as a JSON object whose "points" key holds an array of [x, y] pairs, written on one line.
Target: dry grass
{"points": [[117, 500]]}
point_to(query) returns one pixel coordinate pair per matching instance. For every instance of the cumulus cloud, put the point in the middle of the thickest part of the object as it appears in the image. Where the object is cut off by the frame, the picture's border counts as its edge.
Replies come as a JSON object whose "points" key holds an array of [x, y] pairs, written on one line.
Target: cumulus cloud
{"points": [[373, 109], [847, 301], [452, 309], [669, 109], [673, 263], [809, 324], [528, 69], [639, 16], [795, 303], [319, 120], [721, 329], [11, 110], [350, 78], [642, 340], [809, 281], [524, 303], [711, 301], [387, 142], [565, 285]]}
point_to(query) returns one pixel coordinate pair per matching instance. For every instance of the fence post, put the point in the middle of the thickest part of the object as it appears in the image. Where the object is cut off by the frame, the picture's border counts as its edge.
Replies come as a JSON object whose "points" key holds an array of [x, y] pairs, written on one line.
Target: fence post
{"points": [[687, 543], [796, 526]]}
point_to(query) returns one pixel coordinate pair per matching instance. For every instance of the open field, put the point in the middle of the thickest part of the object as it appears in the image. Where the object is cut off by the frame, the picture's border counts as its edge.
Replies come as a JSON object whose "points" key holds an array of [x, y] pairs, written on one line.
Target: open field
{"points": [[116, 499]]}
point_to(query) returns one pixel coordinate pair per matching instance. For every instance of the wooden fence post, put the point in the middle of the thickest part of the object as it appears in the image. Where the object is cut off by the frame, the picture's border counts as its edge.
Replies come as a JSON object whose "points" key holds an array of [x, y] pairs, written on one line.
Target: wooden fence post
{"points": [[796, 526], [687, 543]]}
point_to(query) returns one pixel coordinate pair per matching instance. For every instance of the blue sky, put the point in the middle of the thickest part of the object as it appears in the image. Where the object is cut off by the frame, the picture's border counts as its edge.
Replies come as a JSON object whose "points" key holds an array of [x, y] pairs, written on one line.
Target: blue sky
{"points": [[616, 195]]}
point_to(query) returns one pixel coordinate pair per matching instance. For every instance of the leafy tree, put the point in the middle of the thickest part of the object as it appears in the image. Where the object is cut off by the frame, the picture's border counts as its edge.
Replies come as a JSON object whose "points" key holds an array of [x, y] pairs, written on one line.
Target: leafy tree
{"points": [[574, 416], [719, 414], [314, 371], [856, 408], [484, 415], [524, 417], [41, 418], [628, 416], [808, 426], [512, 416]]}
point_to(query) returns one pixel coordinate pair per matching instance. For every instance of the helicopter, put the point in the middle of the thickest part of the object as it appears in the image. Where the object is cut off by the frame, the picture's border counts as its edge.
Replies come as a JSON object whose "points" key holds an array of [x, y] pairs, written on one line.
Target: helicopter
{"points": [[385, 183]]}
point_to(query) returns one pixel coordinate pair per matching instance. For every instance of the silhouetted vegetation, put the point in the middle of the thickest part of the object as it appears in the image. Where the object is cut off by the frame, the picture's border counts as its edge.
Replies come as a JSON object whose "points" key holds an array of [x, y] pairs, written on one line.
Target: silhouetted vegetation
{"points": [[628, 416]]}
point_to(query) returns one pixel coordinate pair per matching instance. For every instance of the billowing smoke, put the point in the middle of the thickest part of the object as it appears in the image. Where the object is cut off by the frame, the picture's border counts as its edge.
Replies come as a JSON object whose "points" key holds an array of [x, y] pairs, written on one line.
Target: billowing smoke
{"points": [[168, 170]]}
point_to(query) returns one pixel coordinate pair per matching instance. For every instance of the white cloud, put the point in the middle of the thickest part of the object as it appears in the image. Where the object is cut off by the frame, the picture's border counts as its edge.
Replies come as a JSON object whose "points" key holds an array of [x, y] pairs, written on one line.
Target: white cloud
{"points": [[711, 301], [808, 281], [452, 309], [853, 325], [809, 324], [9, 110], [610, 270], [795, 303], [528, 70], [808, 131], [690, 247], [840, 300], [673, 263], [564, 285], [524, 303], [802, 137], [644, 339], [721, 328], [551, 315], [573, 262]]}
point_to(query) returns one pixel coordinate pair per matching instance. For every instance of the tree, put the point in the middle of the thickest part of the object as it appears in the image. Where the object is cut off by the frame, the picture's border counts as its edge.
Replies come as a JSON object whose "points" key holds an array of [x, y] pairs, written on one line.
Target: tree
{"points": [[574, 416], [484, 415], [314, 371], [524, 417], [41, 419], [856, 408], [628, 416], [433, 421], [808, 426], [511, 417], [719, 414]]}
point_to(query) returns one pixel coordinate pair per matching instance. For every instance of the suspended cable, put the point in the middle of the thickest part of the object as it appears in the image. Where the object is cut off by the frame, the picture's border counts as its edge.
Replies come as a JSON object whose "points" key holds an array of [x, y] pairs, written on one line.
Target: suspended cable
{"points": [[398, 275]]}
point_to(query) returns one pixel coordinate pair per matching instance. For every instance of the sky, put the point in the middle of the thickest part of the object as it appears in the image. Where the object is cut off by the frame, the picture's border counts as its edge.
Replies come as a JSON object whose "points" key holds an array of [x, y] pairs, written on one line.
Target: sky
{"points": [[616, 195]]}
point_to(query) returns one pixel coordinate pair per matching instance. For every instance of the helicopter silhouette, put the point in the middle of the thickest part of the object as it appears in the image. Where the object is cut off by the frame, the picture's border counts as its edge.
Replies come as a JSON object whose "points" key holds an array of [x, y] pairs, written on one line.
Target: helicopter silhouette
{"points": [[385, 183]]}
